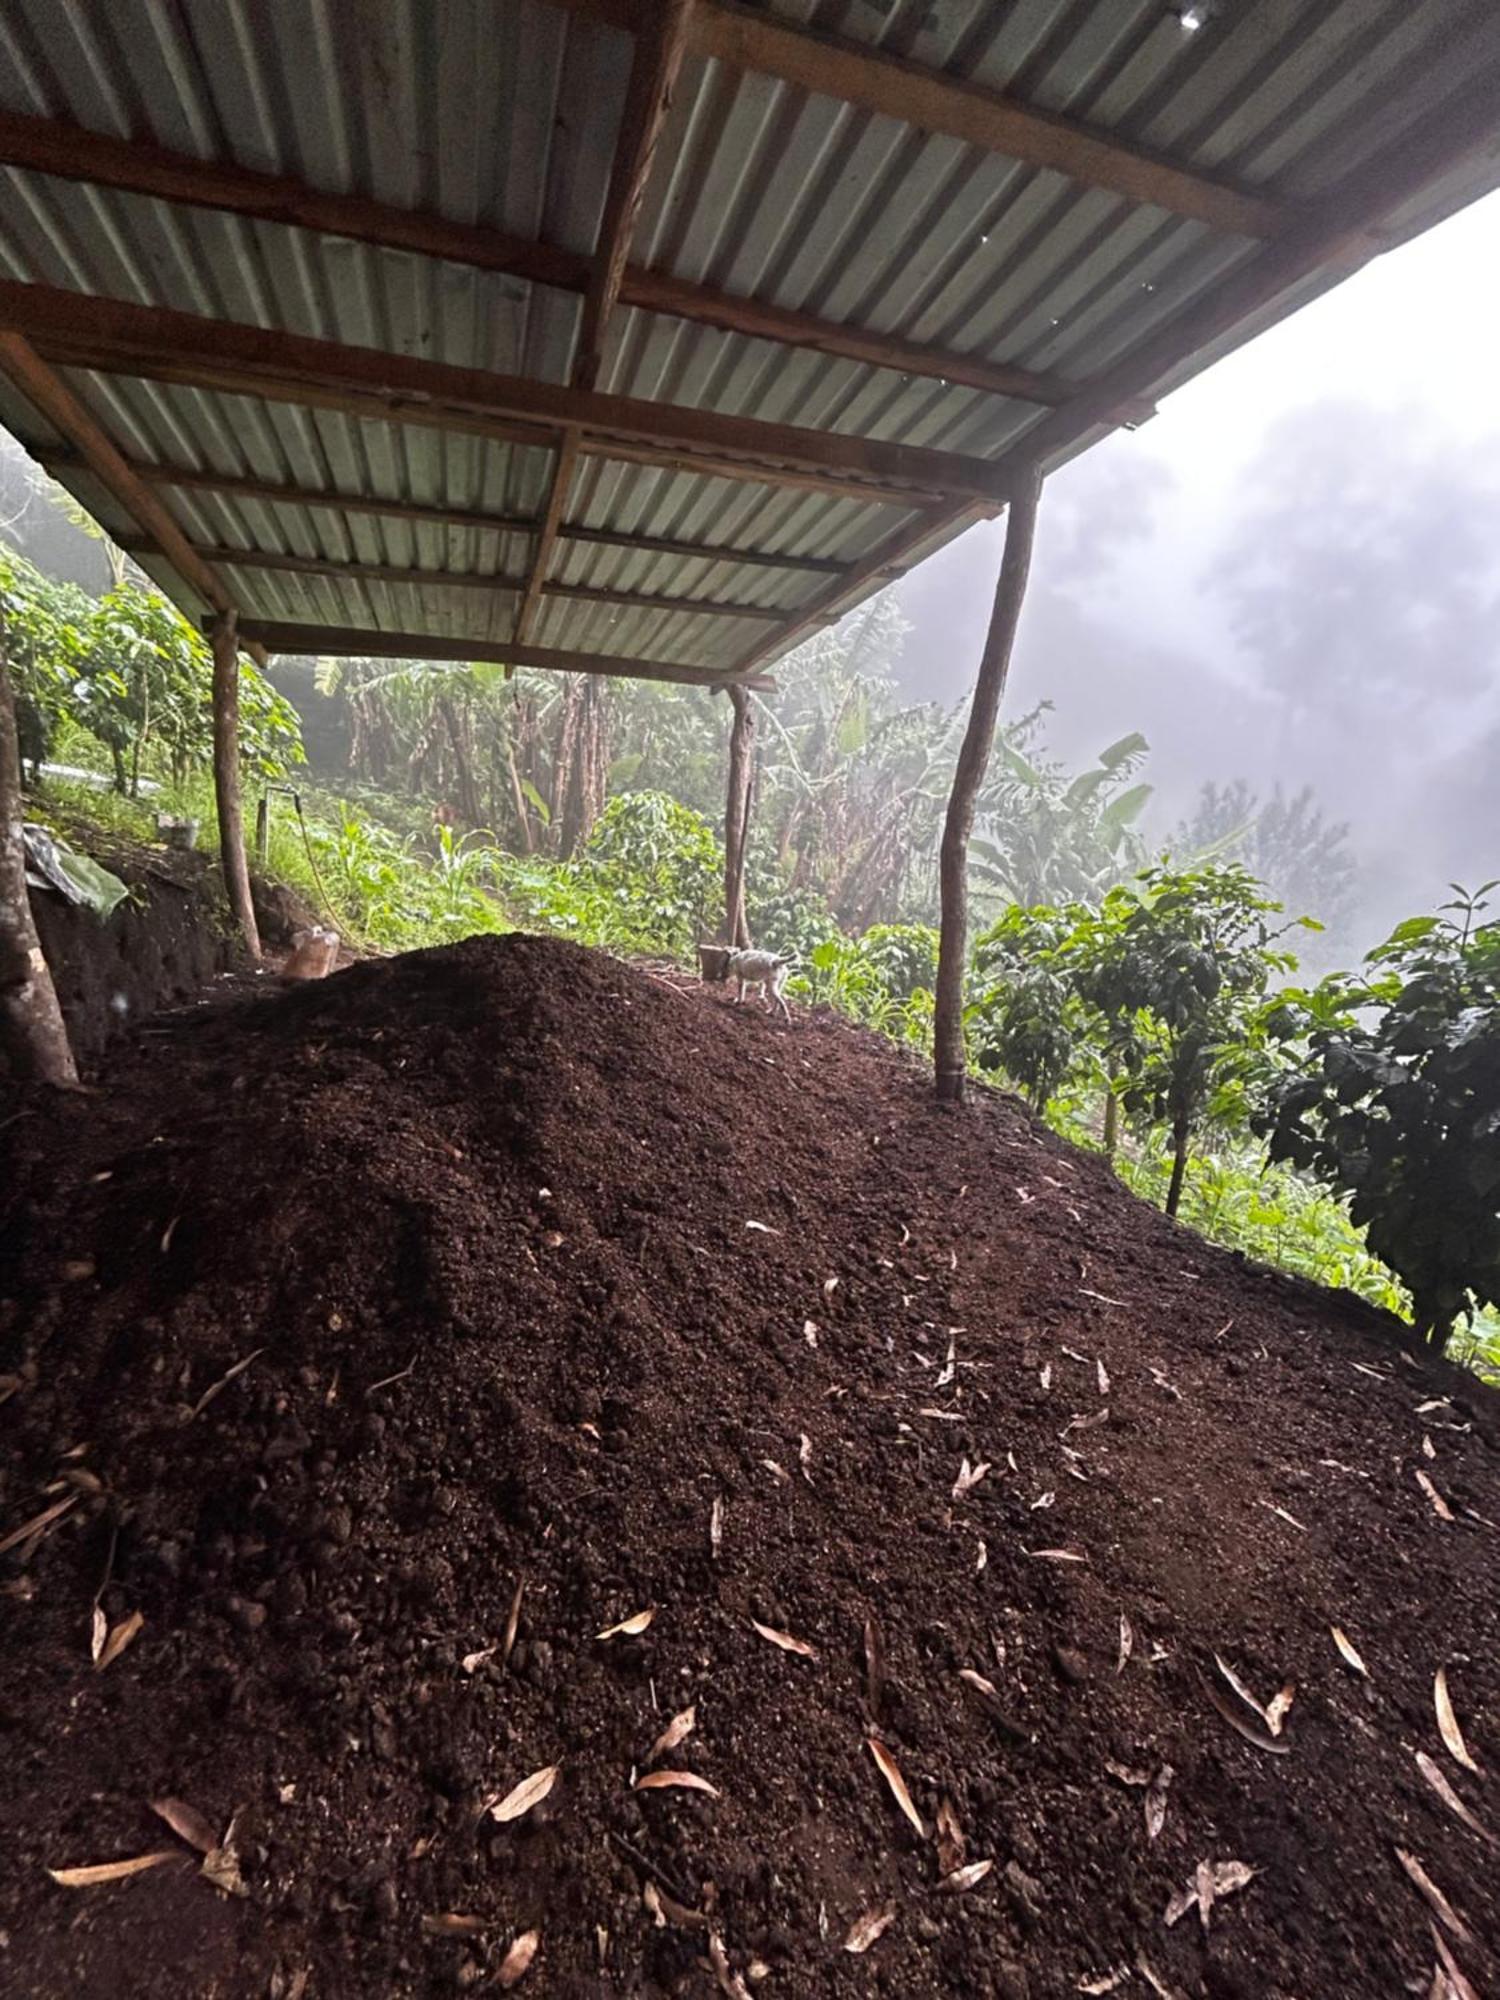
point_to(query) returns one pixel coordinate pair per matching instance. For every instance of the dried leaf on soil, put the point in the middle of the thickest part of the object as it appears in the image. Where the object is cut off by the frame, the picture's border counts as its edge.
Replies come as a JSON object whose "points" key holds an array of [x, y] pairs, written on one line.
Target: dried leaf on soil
{"points": [[1439, 1783], [1046, 1375], [1277, 1707], [1347, 1653], [890, 1770], [112, 1871], [866, 1929], [1240, 1688], [810, 1332], [1127, 1643], [785, 1640], [530, 1792], [969, 1477], [716, 1528], [1057, 1555], [187, 1822], [1242, 1727], [1103, 1378], [950, 1837], [1211, 1882], [472, 1662], [667, 1910], [518, 1959], [665, 1781], [119, 1638], [216, 1388], [628, 1628], [1448, 1727], [1458, 1985], [830, 1286], [763, 1228], [874, 1668], [1107, 1982], [97, 1634], [1439, 1504], [1441, 1908], [1128, 1774], [37, 1523], [1155, 1807], [512, 1622], [960, 1879], [678, 1730]]}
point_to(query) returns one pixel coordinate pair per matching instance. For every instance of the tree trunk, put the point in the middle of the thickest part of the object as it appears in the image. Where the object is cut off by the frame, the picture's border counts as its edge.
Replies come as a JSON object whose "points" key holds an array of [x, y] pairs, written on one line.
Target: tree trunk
{"points": [[35, 1033], [973, 760], [1180, 1137], [227, 778], [463, 769], [523, 813], [737, 817], [1111, 1120]]}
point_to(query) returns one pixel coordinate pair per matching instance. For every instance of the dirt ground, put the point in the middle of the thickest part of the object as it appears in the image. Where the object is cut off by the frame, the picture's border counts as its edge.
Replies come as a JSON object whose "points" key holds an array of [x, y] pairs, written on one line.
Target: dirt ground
{"points": [[505, 1286]]}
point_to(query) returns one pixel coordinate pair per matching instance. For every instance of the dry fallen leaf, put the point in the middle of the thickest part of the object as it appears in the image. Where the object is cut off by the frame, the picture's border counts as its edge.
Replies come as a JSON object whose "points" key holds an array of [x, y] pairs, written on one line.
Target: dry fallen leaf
{"points": [[1458, 1986], [785, 1640], [1107, 1982], [187, 1822], [98, 1634], [1452, 1735], [961, 1879], [1211, 1881], [666, 1910], [1441, 1908], [119, 1638], [1239, 1687], [866, 1929], [730, 1983], [1155, 1807], [663, 1781], [1439, 1504], [518, 1958], [512, 1622], [450, 1924], [1277, 1706], [1056, 1555], [471, 1662], [1103, 1378], [763, 1228], [950, 1837], [112, 1871], [716, 1528], [969, 1477], [678, 1730], [1127, 1643], [891, 1772], [830, 1286], [628, 1628], [530, 1792], [1242, 1727], [1347, 1653], [1128, 1774], [1439, 1783]]}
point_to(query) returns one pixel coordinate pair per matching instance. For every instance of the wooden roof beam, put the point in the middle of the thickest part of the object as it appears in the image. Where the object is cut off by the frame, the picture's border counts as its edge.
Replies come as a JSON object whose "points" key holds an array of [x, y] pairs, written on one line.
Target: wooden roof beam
{"points": [[352, 642], [422, 514], [71, 152], [122, 337], [577, 593]]}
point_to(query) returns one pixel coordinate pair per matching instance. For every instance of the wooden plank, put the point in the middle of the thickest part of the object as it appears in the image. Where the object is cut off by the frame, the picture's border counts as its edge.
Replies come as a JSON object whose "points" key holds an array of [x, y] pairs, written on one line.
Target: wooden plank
{"points": [[546, 541], [55, 401], [120, 335], [855, 73], [660, 44], [236, 486], [358, 643], [279, 562], [52, 147]]}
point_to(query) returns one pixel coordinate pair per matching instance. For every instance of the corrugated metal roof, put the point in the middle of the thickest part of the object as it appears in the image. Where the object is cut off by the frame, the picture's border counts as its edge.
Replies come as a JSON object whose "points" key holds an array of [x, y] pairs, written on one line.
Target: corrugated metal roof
{"points": [[507, 112]]}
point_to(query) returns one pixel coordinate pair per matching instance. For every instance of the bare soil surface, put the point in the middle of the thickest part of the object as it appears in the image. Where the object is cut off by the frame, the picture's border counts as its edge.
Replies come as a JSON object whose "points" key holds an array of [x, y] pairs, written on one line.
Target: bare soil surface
{"points": [[337, 1317]]}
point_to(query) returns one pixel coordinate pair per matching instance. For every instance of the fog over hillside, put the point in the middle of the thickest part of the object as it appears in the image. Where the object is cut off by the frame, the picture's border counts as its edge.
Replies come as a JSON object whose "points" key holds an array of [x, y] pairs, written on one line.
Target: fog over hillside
{"points": [[1290, 576]]}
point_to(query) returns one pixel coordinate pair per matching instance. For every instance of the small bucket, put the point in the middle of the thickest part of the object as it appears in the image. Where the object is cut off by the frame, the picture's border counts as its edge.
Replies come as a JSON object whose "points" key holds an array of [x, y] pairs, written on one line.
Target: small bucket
{"points": [[713, 963], [177, 832]]}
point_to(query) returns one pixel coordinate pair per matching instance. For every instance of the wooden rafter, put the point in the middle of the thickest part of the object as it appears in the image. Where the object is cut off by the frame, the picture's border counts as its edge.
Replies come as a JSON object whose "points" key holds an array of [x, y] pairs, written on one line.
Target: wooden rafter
{"points": [[419, 513], [278, 562], [50, 146], [354, 642], [660, 44], [541, 562], [118, 336], [854, 73]]}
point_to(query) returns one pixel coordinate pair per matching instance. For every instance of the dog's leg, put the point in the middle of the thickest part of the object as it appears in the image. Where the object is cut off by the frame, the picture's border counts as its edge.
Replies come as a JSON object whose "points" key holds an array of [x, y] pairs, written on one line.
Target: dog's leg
{"points": [[739, 998]]}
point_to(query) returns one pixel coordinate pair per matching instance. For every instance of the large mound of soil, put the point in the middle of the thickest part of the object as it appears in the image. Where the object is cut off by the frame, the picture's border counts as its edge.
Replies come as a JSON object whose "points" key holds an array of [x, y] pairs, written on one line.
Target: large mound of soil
{"points": [[337, 1318]]}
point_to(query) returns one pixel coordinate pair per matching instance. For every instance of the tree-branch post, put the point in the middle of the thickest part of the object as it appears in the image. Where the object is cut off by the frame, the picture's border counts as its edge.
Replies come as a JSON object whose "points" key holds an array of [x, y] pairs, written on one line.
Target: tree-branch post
{"points": [[737, 816], [226, 695], [968, 776], [30, 1018]]}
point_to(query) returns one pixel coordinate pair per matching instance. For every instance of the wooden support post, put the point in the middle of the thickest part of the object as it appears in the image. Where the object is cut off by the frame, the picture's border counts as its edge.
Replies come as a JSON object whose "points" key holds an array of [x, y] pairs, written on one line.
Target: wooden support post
{"points": [[31, 1021], [737, 816], [226, 694], [973, 760]]}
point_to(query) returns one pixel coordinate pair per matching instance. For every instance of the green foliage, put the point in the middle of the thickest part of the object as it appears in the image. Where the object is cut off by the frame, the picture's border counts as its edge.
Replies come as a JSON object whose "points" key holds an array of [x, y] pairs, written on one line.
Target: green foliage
{"points": [[905, 956], [1287, 843], [1043, 836], [843, 974], [665, 858], [1396, 1103], [1028, 1018]]}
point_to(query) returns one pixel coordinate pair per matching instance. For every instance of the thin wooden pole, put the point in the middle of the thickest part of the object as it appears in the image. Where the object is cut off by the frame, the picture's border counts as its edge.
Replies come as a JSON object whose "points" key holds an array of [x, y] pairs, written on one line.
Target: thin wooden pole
{"points": [[973, 761], [30, 1018], [737, 817], [226, 693]]}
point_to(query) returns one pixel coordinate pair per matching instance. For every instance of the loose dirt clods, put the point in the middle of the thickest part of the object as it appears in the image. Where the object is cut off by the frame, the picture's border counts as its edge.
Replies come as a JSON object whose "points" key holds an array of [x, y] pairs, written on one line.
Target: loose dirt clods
{"points": [[381, 1379]]}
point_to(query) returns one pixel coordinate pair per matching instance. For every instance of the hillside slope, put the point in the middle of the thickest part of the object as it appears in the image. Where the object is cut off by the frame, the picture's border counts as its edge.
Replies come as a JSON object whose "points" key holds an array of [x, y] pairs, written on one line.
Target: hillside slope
{"points": [[537, 1272]]}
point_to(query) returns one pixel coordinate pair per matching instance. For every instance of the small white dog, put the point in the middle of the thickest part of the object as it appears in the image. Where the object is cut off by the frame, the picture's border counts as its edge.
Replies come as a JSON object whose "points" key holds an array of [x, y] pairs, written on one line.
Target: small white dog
{"points": [[765, 969]]}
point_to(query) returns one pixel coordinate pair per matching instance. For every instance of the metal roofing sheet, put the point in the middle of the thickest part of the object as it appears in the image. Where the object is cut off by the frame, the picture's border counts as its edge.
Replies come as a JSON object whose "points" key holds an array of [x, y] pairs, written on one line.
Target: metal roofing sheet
{"points": [[507, 112]]}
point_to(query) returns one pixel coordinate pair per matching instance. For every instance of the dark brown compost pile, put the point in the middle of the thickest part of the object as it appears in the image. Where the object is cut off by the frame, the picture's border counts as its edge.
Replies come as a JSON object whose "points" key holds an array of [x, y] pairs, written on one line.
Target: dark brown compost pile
{"points": [[343, 1324]]}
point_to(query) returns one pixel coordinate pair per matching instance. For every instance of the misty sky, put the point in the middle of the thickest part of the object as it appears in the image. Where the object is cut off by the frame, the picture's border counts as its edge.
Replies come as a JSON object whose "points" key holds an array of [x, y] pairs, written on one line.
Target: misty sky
{"points": [[1292, 572]]}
